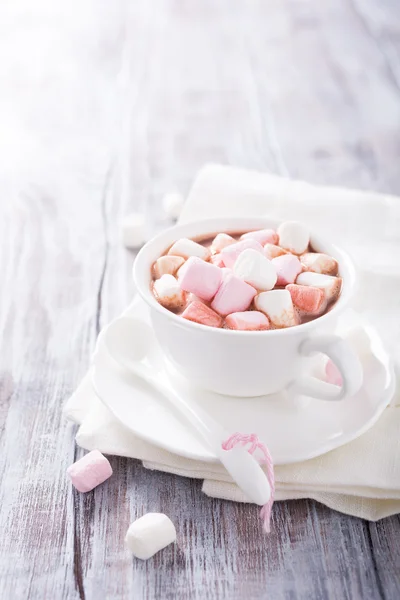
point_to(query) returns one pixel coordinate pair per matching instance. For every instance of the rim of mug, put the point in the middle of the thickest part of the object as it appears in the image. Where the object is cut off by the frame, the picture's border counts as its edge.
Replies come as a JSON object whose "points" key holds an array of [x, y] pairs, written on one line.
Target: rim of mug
{"points": [[145, 259]]}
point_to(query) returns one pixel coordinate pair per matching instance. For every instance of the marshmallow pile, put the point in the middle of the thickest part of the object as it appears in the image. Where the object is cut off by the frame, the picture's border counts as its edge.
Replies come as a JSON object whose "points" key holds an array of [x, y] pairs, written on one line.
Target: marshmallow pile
{"points": [[260, 280]]}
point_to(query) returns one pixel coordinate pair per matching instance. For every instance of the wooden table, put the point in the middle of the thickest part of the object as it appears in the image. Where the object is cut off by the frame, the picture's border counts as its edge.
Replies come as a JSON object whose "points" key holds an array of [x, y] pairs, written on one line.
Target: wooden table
{"points": [[104, 107]]}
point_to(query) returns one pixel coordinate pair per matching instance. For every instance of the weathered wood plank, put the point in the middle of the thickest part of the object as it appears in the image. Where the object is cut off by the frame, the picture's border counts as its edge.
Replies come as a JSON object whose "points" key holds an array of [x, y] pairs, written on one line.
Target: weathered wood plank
{"points": [[103, 109]]}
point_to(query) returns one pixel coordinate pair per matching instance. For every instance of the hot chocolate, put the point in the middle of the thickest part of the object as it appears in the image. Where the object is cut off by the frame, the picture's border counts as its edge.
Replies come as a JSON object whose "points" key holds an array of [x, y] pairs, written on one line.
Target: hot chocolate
{"points": [[249, 281]]}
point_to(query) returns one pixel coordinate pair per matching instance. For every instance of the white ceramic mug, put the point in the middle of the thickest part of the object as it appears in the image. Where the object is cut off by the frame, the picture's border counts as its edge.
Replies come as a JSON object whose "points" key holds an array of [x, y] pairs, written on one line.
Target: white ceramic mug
{"points": [[250, 363]]}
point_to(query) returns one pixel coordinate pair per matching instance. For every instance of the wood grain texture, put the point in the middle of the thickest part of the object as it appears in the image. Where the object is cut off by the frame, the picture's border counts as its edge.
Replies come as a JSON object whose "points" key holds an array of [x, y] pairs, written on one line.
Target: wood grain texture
{"points": [[103, 108]]}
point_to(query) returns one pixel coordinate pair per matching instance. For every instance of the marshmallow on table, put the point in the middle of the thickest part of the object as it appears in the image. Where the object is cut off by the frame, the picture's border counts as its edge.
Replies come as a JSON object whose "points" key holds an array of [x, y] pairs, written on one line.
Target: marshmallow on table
{"points": [[133, 230], [167, 265], [263, 236], [329, 285], [234, 295], [217, 260], [287, 268], [319, 263], [89, 471], [149, 534], [201, 278], [173, 204], [221, 241], [249, 320], [187, 248], [200, 313], [231, 253], [294, 237], [308, 299], [278, 306], [255, 269], [271, 251], [169, 293]]}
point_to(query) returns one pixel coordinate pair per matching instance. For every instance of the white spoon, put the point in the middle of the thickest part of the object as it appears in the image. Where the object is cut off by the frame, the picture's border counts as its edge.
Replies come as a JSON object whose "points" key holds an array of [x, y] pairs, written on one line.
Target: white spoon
{"points": [[128, 342]]}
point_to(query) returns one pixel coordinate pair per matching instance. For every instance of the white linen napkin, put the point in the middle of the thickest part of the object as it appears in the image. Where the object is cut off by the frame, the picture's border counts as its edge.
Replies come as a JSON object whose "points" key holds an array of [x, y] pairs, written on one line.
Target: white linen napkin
{"points": [[361, 478]]}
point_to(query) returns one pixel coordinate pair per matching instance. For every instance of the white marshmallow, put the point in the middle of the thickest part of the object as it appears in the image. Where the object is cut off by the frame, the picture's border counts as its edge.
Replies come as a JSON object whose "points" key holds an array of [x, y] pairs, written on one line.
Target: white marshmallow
{"points": [[186, 248], [149, 534], [255, 269], [318, 262], [221, 241], [168, 292], [294, 237], [327, 283], [278, 306], [173, 204], [133, 230], [167, 265]]}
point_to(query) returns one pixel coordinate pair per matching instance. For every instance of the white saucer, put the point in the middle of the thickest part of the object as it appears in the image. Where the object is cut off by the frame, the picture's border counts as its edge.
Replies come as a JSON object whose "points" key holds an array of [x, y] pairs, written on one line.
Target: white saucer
{"points": [[294, 429]]}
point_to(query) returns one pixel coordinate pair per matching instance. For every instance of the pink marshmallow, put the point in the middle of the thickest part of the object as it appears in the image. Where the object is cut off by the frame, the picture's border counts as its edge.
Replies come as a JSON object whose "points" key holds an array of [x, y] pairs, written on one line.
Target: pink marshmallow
{"points": [[332, 374], [308, 299], [263, 236], [231, 253], [234, 295], [89, 471], [216, 260], [201, 313], [201, 278], [287, 268], [249, 320]]}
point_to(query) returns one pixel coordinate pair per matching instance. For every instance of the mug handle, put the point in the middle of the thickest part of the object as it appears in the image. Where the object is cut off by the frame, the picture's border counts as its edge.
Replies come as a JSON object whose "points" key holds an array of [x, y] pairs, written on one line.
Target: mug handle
{"points": [[346, 360]]}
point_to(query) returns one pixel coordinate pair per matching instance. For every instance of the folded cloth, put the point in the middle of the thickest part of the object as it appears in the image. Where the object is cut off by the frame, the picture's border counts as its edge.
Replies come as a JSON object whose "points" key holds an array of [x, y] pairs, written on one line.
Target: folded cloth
{"points": [[361, 478]]}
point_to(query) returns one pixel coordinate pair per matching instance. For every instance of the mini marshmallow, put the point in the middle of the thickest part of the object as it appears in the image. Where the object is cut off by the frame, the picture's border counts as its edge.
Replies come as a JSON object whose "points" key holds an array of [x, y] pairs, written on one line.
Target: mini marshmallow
{"points": [[255, 269], [201, 278], [287, 268], [168, 292], [221, 241], [294, 237], [201, 313], [173, 204], [278, 306], [234, 295], [249, 320], [329, 285], [150, 534], [187, 248], [308, 299], [319, 263], [133, 230], [271, 251], [89, 471], [231, 253], [167, 265], [217, 260], [263, 236]]}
